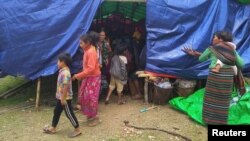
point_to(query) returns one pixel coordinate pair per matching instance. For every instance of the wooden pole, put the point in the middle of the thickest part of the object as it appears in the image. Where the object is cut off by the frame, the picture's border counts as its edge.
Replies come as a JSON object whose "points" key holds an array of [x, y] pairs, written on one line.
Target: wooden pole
{"points": [[146, 90], [38, 92], [146, 77]]}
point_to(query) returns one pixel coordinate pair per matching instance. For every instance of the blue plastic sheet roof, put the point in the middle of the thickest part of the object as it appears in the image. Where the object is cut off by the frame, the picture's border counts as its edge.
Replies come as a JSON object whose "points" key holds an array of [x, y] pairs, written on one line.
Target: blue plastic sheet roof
{"points": [[172, 24], [33, 33]]}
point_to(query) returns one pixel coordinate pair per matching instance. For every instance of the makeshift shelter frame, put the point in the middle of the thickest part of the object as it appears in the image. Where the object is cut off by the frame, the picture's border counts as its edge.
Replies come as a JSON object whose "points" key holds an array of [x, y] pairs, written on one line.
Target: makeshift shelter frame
{"points": [[38, 90]]}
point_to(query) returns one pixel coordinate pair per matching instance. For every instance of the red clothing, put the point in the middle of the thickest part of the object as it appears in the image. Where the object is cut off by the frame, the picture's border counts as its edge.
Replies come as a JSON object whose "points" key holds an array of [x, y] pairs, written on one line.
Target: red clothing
{"points": [[91, 65], [88, 95]]}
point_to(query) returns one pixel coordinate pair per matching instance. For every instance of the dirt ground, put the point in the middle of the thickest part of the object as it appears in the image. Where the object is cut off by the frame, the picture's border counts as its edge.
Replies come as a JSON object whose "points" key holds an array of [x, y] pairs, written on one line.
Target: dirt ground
{"points": [[27, 124]]}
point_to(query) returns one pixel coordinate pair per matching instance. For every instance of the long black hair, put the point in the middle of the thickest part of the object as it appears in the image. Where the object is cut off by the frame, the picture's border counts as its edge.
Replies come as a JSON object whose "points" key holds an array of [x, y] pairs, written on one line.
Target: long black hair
{"points": [[94, 37], [86, 38]]}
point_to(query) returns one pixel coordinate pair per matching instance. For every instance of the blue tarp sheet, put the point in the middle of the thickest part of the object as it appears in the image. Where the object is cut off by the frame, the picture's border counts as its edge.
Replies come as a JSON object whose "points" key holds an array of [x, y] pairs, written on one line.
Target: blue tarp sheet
{"points": [[172, 24], [34, 32]]}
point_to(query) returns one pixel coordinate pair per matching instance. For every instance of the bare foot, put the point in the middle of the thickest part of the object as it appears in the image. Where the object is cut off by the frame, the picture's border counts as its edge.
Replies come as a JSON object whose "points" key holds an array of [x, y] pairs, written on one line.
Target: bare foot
{"points": [[106, 102], [120, 102]]}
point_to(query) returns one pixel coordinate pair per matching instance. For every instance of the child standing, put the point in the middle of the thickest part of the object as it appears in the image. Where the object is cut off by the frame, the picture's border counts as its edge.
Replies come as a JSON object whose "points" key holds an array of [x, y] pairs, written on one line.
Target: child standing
{"points": [[118, 73], [64, 97]]}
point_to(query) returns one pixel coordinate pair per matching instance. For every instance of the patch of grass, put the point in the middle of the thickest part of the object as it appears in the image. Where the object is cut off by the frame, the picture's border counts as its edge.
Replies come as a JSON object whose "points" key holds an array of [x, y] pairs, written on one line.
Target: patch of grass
{"points": [[10, 82], [48, 85], [20, 97]]}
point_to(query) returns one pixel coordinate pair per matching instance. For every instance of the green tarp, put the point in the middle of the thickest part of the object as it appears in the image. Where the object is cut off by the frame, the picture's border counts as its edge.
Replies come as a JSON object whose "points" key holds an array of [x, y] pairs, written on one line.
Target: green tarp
{"points": [[132, 10], [244, 1], [192, 106]]}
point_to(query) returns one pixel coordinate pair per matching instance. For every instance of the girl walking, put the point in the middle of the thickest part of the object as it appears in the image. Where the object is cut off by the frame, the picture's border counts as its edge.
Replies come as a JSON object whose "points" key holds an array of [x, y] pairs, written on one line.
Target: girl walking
{"points": [[91, 80]]}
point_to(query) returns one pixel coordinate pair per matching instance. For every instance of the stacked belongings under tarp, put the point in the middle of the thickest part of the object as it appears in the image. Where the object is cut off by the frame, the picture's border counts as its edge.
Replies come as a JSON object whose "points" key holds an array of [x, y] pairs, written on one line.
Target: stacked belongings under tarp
{"points": [[157, 90], [163, 91], [185, 87]]}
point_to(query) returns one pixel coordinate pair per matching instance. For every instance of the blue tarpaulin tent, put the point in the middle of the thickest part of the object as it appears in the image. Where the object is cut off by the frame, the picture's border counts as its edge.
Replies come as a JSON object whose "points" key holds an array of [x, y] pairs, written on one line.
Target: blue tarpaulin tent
{"points": [[172, 24], [33, 33]]}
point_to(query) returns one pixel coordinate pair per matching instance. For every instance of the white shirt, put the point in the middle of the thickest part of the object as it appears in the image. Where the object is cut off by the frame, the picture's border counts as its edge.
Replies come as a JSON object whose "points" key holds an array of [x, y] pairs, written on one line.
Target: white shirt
{"points": [[124, 59]]}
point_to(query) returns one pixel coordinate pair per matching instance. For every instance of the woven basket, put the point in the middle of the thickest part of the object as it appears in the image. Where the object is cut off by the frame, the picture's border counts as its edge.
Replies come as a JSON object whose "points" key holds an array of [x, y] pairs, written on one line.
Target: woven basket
{"points": [[185, 87], [184, 92], [161, 96]]}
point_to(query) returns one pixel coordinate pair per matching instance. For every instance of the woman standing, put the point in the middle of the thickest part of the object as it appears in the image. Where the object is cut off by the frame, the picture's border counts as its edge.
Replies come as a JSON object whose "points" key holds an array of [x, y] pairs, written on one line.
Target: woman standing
{"points": [[104, 51], [219, 85], [91, 80]]}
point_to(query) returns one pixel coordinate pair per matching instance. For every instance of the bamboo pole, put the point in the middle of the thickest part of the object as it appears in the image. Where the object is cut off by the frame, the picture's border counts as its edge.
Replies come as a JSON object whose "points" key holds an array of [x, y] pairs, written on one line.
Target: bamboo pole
{"points": [[38, 92], [146, 77], [146, 90]]}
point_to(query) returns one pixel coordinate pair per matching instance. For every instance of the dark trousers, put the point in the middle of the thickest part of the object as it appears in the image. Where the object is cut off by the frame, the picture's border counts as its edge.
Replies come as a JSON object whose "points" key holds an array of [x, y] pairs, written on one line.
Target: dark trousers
{"points": [[68, 111]]}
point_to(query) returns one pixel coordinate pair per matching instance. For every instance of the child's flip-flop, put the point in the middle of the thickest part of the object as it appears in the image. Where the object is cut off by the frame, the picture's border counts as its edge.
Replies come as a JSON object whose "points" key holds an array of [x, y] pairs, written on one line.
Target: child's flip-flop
{"points": [[48, 131], [77, 107], [74, 134], [94, 122]]}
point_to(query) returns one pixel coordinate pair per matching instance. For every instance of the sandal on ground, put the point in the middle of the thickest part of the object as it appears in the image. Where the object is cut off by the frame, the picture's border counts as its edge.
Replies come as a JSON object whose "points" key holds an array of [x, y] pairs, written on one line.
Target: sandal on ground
{"points": [[137, 97], [90, 118], [74, 134], [77, 108], [94, 122], [47, 130]]}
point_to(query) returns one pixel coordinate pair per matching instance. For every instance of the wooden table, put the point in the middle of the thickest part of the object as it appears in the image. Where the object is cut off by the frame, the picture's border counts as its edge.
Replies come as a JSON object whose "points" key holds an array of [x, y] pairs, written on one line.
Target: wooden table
{"points": [[147, 78]]}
